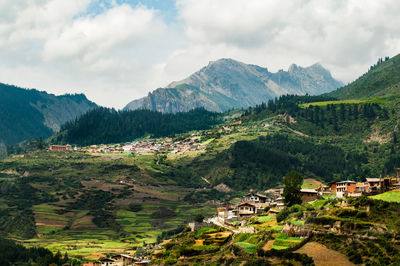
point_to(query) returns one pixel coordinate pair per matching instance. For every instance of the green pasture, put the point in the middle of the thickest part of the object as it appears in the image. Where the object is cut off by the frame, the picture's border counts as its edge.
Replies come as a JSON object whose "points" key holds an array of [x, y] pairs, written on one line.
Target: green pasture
{"points": [[390, 196]]}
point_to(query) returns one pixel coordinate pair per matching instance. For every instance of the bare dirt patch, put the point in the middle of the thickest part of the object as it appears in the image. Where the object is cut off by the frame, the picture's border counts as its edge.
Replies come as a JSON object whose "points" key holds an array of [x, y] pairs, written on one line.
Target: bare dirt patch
{"points": [[43, 222], [324, 256], [268, 245], [83, 222], [376, 136], [100, 185]]}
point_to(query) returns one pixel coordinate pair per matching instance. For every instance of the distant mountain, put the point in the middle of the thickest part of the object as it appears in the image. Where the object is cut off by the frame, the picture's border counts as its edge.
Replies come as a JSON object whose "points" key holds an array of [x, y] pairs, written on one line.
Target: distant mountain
{"points": [[227, 84], [27, 114], [382, 78]]}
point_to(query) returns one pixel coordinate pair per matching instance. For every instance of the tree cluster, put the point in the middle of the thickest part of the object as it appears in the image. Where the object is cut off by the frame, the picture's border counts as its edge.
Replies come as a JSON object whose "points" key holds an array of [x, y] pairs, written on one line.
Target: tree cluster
{"points": [[103, 125], [12, 253]]}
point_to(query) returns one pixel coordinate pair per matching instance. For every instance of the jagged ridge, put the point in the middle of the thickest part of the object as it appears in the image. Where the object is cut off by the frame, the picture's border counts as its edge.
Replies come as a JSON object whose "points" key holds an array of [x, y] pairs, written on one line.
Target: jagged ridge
{"points": [[227, 84]]}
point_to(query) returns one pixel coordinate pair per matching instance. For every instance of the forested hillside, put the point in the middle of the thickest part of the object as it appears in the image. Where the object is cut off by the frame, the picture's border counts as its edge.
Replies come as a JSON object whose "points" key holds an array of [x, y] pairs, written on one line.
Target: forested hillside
{"points": [[382, 78], [326, 140], [31, 114], [104, 125]]}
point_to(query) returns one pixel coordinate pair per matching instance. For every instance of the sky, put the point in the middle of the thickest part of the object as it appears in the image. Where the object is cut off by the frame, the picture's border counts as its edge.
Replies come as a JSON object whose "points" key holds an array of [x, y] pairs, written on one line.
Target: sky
{"points": [[116, 51]]}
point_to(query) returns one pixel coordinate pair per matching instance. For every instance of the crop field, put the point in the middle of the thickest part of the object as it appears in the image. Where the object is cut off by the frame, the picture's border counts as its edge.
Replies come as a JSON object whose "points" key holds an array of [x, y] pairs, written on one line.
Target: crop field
{"points": [[79, 206], [283, 241], [86, 240], [390, 196]]}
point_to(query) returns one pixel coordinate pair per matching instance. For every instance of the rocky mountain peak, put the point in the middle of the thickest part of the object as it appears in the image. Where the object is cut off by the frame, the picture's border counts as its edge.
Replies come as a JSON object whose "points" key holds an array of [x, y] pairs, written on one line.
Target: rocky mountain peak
{"points": [[226, 84]]}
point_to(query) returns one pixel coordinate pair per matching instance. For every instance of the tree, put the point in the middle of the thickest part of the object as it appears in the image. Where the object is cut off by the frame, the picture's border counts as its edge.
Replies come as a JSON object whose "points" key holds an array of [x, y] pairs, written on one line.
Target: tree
{"points": [[292, 184], [199, 218]]}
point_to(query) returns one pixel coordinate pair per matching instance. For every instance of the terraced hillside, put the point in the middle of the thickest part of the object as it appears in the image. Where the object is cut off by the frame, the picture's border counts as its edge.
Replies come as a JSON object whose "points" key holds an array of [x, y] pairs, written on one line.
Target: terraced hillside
{"points": [[321, 232]]}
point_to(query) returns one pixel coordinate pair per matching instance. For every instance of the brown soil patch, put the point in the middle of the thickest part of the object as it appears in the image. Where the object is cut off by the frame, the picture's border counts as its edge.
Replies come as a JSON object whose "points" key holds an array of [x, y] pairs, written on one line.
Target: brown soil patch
{"points": [[377, 137], [268, 245], [219, 235], [271, 224], [165, 242], [100, 185], [86, 220], [51, 223], [324, 256], [9, 172]]}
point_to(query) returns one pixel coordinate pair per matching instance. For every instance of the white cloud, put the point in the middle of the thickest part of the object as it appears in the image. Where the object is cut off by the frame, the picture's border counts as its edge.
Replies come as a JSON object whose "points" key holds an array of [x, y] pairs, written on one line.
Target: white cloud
{"points": [[122, 52], [59, 46], [346, 36]]}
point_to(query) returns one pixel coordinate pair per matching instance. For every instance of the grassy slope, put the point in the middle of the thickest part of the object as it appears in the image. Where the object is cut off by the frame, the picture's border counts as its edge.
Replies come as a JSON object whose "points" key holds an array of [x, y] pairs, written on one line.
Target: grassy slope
{"points": [[390, 196], [383, 79]]}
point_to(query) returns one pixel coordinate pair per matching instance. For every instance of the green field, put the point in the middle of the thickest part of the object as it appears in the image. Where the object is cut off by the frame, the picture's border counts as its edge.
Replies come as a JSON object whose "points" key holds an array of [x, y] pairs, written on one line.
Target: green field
{"points": [[390, 196], [283, 241], [251, 248], [265, 219]]}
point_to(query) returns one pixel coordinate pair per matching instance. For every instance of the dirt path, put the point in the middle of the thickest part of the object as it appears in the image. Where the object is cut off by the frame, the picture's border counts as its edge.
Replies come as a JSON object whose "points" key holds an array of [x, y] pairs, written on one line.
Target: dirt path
{"points": [[324, 256], [268, 245], [298, 132]]}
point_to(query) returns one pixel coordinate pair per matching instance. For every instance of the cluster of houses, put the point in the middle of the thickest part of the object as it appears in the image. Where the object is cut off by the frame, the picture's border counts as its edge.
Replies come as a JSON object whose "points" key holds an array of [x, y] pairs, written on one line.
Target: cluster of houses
{"points": [[120, 260], [167, 145], [255, 203], [356, 189]]}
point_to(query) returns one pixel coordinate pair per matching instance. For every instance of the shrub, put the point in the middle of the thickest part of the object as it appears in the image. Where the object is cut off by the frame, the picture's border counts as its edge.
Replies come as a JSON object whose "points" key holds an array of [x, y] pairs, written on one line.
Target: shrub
{"points": [[347, 213], [282, 215], [135, 207]]}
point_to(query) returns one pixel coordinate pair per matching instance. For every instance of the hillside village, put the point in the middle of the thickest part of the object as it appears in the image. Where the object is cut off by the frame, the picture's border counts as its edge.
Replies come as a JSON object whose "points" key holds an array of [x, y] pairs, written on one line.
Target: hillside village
{"points": [[164, 145], [255, 203], [254, 209]]}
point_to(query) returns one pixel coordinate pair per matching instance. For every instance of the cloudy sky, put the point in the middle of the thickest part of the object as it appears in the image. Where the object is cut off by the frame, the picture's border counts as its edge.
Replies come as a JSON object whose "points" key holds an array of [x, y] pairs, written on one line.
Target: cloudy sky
{"points": [[118, 50]]}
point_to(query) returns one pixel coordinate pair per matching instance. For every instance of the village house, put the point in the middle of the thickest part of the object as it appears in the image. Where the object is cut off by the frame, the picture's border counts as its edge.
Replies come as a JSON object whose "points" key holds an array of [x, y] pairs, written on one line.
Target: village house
{"points": [[307, 195], [344, 188], [361, 189], [276, 192], [228, 212], [105, 262], [58, 148], [323, 190], [255, 198], [246, 209], [123, 259]]}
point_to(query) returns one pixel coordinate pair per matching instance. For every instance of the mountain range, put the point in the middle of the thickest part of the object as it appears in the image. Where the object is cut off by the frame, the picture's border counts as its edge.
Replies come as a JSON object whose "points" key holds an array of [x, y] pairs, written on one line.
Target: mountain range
{"points": [[227, 84], [27, 114]]}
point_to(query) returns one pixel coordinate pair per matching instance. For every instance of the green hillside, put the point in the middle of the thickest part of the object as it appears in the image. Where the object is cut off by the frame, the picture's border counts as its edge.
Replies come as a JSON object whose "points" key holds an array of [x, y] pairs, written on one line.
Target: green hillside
{"points": [[103, 125], [32, 114], [382, 79]]}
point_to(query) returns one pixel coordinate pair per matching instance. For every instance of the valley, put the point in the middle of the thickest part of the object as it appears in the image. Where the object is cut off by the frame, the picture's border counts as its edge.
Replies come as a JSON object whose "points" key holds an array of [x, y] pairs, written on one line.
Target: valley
{"points": [[104, 199], [130, 182]]}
